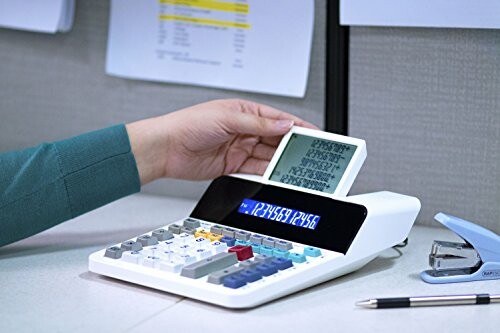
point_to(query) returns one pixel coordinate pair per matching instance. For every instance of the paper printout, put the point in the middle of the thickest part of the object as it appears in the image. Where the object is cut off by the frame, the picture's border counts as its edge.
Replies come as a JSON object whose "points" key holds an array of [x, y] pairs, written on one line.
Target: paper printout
{"points": [[252, 45], [47, 16], [422, 13]]}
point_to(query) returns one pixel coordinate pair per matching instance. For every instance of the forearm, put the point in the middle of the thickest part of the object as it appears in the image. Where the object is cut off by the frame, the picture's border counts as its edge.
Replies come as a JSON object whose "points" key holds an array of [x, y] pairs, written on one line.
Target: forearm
{"points": [[149, 142], [46, 185]]}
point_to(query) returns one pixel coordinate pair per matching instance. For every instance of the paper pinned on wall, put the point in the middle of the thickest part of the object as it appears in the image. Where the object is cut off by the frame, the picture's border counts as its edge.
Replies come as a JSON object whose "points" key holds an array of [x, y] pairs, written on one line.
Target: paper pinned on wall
{"points": [[250, 45], [49, 16], [484, 14]]}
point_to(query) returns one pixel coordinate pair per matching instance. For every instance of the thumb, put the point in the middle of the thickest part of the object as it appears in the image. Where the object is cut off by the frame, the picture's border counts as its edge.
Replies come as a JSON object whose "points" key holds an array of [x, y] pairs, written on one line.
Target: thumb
{"points": [[247, 123]]}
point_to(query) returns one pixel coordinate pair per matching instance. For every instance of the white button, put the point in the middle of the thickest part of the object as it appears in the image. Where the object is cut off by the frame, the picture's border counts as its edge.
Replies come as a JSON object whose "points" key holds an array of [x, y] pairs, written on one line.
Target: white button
{"points": [[150, 251], [218, 247], [133, 257], [167, 245], [171, 266], [202, 253], [185, 259], [151, 261], [183, 249], [167, 255], [185, 238]]}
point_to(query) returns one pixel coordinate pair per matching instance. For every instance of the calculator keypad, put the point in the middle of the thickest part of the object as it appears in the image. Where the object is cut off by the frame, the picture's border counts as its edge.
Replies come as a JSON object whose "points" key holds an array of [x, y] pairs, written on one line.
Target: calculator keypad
{"points": [[225, 256]]}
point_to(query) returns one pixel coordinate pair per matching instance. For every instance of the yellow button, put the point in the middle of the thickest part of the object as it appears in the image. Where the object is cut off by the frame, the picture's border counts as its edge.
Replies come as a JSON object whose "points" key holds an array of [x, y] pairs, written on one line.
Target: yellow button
{"points": [[201, 233], [214, 237]]}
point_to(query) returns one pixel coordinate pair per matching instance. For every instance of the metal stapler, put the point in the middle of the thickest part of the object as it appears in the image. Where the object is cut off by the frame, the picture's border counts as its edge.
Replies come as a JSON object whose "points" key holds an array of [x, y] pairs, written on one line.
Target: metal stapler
{"points": [[476, 259]]}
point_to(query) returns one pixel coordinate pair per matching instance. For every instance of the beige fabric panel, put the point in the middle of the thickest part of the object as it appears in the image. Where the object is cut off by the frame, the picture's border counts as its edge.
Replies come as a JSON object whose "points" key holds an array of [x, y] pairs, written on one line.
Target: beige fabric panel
{"points": [[428, 103]]}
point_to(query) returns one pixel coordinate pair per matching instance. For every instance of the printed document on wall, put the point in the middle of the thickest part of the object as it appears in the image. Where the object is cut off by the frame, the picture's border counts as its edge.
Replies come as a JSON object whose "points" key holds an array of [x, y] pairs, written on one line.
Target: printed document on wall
{"points": [[484, 14], [49, 16], [249, 45]]}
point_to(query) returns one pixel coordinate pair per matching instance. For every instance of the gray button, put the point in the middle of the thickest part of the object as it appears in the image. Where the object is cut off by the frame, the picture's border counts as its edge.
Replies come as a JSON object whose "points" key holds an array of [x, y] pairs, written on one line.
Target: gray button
{"points": [[191, 223], [268, 241], [283, 245], [249, 264], [228, 232], [131, 246], [163, 234], [147, 240], [263, 258], [174, 228], [219, 276], [209, 265], [256, 239], [114, 252], [243, 235], [216, 229], [188, 230]]}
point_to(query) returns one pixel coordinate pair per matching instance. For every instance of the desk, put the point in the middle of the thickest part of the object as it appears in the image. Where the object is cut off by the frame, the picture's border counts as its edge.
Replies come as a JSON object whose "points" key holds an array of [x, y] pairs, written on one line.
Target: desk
{"points": [[46, 287]]}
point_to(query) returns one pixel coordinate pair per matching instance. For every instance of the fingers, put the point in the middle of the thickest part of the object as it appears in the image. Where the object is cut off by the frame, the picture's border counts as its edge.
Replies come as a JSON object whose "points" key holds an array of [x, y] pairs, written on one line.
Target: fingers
{"points": [[254, 166], [266, 111], [252, 124], [263, 152], [272, 141]]}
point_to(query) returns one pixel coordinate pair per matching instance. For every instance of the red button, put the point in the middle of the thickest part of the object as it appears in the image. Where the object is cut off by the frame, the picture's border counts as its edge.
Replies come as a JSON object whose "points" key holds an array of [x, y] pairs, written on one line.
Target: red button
{"points": [[242, 252]]}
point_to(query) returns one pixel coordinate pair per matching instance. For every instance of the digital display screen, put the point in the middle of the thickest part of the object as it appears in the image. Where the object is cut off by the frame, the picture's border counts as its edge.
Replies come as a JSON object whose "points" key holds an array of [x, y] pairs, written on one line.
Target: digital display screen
{"points": [[313, 163], [278, 213]]}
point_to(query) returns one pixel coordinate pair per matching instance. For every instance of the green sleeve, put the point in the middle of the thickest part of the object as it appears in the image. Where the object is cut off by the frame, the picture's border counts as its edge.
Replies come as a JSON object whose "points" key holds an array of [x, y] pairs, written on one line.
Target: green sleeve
{"points": [[54, 182]]}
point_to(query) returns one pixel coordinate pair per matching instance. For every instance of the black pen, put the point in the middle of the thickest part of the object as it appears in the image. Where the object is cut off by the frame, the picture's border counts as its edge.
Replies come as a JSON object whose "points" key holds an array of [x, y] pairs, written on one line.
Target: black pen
{"points": [[405, 302]]}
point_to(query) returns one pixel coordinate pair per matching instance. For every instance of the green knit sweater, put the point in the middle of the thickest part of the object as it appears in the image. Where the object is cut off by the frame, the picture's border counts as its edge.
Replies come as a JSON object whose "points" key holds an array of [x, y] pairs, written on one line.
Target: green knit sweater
{"points": [[54, 182]]}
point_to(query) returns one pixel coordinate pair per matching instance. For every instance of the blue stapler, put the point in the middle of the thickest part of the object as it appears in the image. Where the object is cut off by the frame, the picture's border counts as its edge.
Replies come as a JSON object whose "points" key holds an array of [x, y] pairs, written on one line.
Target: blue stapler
{"points": [[476, 259]]}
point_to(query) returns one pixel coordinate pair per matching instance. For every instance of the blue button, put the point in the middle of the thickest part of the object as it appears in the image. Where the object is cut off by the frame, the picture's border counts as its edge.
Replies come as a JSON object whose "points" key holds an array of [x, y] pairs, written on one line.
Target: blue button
{"points": [[280, 253], [251, 275], [282, 263], [255, 248], [267, 250], [312, 252], [266, 269], [297, 257], [228, 240], [241, 242], [234, 281]]}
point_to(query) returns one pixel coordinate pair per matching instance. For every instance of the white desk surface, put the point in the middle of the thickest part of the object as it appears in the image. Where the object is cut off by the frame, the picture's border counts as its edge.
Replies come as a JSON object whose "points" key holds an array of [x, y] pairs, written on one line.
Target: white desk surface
{"points": [[46, 287]]}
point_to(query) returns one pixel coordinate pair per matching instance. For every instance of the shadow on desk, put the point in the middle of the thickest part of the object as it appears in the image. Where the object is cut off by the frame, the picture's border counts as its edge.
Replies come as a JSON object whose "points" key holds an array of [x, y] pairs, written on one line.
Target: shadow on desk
{"points": [[50, 242]]}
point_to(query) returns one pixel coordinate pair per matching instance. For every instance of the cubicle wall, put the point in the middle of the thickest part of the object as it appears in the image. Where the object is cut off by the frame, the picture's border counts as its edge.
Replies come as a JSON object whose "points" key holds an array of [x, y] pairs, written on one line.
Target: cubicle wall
{"points": [[426, 101], [55, 86]]}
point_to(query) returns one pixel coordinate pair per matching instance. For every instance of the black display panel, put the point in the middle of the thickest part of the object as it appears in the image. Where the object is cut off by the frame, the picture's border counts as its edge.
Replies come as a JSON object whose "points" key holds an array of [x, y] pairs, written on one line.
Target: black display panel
{"points": [[339, 221]]}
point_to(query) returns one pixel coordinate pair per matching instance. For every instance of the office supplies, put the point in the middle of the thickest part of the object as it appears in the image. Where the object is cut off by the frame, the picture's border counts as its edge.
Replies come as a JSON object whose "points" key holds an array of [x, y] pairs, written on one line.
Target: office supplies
{"points": [[476, 259], [405, 302], [248, 242], [316, 162]]}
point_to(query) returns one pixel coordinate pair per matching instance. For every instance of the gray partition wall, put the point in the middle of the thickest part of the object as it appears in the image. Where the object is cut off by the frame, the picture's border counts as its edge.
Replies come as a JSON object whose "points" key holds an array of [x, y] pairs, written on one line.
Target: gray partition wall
{"points": [[55, 86], [428, 103], [425, 100]]}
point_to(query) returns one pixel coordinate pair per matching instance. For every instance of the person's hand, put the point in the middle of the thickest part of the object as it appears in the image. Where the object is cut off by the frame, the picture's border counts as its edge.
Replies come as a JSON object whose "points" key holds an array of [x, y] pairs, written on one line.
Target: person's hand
{"points": [[209, 140]]}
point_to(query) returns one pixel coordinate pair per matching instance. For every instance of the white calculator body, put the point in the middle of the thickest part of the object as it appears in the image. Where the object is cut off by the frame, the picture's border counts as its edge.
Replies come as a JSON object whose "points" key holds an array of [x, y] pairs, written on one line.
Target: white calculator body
{"points": [[249, 241]]}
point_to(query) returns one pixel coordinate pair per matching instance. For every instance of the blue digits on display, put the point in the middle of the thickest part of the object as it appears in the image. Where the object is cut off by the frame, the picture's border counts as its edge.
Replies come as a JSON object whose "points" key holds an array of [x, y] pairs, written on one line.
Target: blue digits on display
{"points": [[277, 213]]}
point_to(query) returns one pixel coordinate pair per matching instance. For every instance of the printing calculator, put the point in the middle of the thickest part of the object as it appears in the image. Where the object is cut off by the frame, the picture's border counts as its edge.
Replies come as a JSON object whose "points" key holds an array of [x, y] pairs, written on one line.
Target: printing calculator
{"points": [[252, 239]]}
